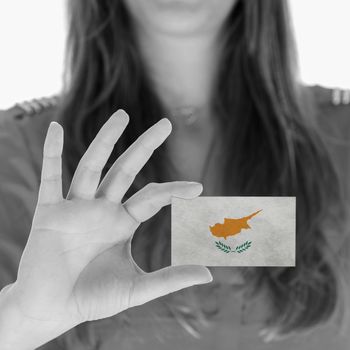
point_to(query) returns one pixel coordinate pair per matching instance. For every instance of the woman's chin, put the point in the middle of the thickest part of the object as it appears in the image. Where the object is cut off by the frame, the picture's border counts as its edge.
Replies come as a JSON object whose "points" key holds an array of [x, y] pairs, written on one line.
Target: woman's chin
{"points": [[179, 4], [179, 17], [180, 26], [184, 17]]}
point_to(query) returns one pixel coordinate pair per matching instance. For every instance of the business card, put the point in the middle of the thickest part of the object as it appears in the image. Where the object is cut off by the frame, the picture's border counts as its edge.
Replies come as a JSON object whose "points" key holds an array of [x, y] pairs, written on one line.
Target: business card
{"points": [[233, 231]]}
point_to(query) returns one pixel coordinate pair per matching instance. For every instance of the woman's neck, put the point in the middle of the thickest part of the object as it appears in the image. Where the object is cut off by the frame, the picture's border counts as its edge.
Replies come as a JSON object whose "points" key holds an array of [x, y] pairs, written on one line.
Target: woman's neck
{"points": [[181, 68]]}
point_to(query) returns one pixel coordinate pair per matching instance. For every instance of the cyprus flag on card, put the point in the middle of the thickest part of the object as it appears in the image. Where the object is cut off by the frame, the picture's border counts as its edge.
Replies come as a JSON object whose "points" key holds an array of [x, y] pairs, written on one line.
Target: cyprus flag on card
{"points": [[233, 231]]}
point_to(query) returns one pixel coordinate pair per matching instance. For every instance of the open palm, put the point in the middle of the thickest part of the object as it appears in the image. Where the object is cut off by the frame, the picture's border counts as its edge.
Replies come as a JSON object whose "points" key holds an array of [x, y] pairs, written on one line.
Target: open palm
{"points": [[77, 264]]}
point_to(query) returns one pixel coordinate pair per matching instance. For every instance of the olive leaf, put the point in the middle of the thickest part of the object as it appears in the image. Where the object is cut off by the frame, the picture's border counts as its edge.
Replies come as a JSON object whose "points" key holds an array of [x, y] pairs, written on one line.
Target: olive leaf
{"points": [[227, 249]]}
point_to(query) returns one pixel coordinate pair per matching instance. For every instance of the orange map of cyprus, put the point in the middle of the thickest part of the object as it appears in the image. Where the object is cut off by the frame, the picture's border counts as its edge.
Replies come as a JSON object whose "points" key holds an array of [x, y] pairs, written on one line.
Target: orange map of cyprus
{"points": [[231, 227]]}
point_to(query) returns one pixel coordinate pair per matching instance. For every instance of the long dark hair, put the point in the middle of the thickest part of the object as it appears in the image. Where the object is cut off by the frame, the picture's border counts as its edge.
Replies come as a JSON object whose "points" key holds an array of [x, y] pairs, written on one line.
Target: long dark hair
{"points": [[271, 145]]}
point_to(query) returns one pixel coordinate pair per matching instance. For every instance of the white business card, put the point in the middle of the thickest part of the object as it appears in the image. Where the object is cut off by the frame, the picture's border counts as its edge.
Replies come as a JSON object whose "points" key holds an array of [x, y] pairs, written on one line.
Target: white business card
{"points": [[233, 231]]}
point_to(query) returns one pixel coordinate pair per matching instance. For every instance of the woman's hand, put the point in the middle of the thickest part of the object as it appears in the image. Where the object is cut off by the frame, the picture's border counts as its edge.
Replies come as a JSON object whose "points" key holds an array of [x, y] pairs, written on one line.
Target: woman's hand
{"points": [[77, 264]]}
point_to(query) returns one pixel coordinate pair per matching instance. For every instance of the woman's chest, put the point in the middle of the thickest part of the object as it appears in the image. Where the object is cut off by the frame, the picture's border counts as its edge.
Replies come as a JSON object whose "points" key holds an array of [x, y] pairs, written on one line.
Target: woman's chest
{"points": [[197, 157], [233, 328]]}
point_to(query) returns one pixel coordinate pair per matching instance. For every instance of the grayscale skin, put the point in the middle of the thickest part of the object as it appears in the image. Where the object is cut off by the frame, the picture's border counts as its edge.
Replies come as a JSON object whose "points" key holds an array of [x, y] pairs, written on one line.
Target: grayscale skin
{"points": [[77, 264]]}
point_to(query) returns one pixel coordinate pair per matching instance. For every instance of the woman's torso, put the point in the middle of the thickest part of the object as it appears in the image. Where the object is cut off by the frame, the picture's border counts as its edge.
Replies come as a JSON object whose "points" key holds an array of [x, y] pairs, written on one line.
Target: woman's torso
{"points": [[235, 326]]}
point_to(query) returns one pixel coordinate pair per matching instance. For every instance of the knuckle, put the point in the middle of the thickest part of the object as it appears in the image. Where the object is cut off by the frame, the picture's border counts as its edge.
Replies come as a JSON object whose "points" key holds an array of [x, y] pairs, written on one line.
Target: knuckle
{"points": [[146, 143], [104, 142], [124, 173], [52, 178], [147, 147], [151, 186], [166, 275], [135, 221], [51, 155], [91, 167], [152, 207]]}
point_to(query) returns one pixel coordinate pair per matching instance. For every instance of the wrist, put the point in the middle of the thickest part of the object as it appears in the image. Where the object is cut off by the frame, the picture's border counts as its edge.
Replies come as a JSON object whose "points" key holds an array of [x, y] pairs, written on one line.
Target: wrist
{"points": [[12, 329], [18, 330]]}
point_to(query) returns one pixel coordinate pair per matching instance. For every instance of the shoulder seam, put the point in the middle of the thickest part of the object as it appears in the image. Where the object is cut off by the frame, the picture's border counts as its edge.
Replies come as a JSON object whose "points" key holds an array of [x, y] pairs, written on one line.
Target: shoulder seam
{"points": [[31, 107], [331, 96]]}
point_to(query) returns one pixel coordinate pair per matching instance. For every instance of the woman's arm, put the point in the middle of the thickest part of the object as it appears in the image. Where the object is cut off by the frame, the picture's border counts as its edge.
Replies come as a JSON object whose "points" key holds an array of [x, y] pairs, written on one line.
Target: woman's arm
{"points": [[77, 264]]}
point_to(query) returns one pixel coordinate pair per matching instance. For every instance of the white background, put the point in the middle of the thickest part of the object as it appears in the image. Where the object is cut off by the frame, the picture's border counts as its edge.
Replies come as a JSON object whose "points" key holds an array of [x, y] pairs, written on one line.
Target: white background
{"points": [[32, 35]]}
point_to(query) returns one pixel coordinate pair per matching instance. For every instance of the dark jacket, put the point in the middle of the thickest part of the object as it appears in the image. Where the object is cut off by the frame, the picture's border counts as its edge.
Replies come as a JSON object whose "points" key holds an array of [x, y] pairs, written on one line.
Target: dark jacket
{"points": [[22, 133]]}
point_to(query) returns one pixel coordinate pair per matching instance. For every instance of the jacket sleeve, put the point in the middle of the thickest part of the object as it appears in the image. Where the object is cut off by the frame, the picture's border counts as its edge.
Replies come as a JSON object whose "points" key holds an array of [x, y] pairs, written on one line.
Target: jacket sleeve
{"points": [[19, 185], [334, 127]]}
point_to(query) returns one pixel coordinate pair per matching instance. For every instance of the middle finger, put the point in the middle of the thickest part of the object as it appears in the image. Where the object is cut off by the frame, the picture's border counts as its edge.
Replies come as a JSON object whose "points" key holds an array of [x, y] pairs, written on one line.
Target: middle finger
{"points": [[123, 172], [88, 172]]}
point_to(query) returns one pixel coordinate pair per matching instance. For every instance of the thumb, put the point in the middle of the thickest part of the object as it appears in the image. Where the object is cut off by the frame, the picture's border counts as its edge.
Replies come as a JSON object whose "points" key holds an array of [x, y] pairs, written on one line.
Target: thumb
{"points": [[167, 280]]}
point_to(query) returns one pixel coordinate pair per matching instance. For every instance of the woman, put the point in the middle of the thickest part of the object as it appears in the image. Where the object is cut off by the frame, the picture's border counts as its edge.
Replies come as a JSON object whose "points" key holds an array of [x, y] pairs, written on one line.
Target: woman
{"points": [[223, 72]]}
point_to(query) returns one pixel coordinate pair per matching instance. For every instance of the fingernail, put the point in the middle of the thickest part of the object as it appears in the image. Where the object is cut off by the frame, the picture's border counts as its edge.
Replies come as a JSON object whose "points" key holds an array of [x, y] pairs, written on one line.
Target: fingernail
{"points": [[198, 187], [55, 128], [206, 275], [194, 183], [166, 124], [121, 115], [54, 124], [209, 277]]}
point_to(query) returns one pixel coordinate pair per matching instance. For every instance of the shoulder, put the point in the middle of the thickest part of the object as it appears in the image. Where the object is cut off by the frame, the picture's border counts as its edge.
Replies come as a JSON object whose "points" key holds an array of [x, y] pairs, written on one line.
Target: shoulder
{"points": [[332, 117], [28, 120], [330, 97], [332, 109], [31, 110], [23, 129]]}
